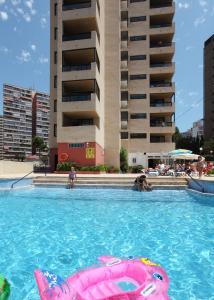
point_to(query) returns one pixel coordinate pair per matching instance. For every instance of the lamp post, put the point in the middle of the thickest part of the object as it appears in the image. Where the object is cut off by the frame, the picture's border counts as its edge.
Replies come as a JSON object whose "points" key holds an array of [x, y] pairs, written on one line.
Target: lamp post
{"points": [[201, 149]]}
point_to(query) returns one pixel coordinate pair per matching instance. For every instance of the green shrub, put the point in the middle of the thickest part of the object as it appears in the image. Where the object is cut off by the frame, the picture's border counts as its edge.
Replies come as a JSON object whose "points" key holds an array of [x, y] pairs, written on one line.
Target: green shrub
{"points": [[136, 169], [124, 160], [210, 172], [66, 166]]}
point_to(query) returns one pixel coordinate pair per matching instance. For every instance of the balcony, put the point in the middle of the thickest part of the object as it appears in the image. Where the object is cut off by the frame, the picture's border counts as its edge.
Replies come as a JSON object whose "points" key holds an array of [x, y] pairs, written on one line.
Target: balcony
{"points": [[160, 68], [75, 5], [77, 37], [124, 124], [162, 29], [71, 68], [123, 5], [84, 42], [161, 7], [161, 124], [162, 87], [124, 84], [82, 102], [162, 106], [124, 104], [160, 44], [124, 64]]}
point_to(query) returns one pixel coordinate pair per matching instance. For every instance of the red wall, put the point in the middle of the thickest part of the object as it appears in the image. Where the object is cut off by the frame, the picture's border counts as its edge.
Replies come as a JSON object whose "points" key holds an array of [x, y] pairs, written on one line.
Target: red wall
{"points": [[78, 155]]}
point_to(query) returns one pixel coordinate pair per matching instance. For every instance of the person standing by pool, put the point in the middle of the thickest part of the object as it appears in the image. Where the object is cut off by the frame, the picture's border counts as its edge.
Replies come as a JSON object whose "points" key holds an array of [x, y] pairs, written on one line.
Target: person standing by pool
{"points": [[200, 166], [72, 175], [141, 184]]}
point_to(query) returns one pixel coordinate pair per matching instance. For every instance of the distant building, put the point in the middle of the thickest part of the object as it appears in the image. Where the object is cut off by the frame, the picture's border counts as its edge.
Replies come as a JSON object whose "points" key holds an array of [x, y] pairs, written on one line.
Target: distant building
{"points": [[209, 88], [1, 137], [25, 113], [197, 130]]}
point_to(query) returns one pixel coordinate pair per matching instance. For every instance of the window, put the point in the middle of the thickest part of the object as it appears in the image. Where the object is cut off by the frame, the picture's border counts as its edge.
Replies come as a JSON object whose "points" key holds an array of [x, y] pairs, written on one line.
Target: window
{"points": [[124, 116], [138, 19], [134, 160], [55, 57], [137, 96], [124, 15], [77, 145], [124, 75], [55, 33], [55, 130], [138, 38], [55, 81], [138, 57], [138, 135], [124, 95], [124, 135], [55, 105], [124, 35], [55, 9], [124, 55], [138, 116], [138, 77]]}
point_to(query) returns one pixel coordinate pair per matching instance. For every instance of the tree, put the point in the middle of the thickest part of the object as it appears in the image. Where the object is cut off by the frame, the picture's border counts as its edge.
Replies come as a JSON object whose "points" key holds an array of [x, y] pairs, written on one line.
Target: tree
{"points": [[124, 160], [38, 143]]}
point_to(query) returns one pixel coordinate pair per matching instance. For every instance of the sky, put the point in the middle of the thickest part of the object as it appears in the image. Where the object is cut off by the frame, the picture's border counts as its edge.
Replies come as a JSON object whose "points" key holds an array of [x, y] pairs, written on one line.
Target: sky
{"points": [[24, 50]]}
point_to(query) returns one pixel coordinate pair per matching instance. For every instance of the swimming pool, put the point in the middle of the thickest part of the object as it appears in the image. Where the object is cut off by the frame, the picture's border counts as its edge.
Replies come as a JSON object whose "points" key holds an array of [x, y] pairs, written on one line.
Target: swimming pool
{"points": [[63, 230]]}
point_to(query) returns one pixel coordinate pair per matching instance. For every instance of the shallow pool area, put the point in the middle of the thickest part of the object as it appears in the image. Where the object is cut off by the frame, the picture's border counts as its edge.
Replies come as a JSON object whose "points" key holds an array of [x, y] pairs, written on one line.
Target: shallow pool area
{"points": [[65, 230]]}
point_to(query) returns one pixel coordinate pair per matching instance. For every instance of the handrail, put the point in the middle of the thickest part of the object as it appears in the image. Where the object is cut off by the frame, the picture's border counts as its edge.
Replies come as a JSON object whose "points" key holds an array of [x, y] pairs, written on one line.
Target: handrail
{"points": [[20, 179], [201, 186]]}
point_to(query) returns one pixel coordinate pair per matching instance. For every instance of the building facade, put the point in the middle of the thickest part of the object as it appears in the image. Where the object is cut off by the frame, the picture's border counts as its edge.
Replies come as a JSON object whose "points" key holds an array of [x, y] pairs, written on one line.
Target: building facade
{"points": [[23, 118], [197, 130], [1, 137], [111, 80], [209, 89]]}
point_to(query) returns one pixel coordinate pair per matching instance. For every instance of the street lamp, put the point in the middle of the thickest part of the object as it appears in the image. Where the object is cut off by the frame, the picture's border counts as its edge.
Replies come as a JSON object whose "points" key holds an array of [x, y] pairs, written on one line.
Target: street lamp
{"points": [[201, 149], [211, 153]]}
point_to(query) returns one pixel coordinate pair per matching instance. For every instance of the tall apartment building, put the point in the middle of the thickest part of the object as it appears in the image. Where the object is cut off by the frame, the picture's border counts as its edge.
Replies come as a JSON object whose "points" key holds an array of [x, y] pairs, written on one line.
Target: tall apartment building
{"points": [[1, 137], [111, 80], [209, 88], [25, 113]]}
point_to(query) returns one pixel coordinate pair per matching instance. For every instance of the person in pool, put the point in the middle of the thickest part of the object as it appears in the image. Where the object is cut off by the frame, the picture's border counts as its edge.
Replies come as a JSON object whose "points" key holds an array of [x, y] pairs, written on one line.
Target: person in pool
{"points": [[141, 184], [72, 175]]}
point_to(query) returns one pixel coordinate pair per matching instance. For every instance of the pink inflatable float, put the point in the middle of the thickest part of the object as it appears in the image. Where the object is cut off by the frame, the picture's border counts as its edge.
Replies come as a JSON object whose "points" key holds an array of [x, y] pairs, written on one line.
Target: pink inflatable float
{"points": [[115, 279]]}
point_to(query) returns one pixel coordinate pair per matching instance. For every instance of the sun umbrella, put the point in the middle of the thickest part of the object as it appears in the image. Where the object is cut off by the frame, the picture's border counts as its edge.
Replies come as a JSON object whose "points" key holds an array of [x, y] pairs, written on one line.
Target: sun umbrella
{"points": [[179, 151], [186, 156]]}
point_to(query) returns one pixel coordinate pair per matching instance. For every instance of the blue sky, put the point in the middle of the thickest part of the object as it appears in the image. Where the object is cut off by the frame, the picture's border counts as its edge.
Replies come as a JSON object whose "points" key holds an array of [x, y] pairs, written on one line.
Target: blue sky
{"points": [[24, 50]]}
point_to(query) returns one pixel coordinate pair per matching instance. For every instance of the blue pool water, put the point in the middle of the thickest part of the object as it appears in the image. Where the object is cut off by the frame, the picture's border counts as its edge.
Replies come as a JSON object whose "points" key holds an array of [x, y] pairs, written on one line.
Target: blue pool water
{"points": [[64, 230], [6, 183]]}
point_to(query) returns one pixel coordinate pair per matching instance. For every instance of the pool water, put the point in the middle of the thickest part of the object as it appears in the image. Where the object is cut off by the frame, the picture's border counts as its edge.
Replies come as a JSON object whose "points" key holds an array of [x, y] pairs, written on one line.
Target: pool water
{"points": [[65, 230]]}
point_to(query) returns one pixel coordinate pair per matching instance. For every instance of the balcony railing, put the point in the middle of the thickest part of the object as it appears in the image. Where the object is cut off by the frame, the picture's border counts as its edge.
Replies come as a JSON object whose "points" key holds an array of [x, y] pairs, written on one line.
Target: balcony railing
{"points": [[161, 65], [73, 6], [160, 5], [77, 97], [74, 37], [160, 25], [160, 124], [163, 104], [160, 44], [160, 84], [76, 68]]}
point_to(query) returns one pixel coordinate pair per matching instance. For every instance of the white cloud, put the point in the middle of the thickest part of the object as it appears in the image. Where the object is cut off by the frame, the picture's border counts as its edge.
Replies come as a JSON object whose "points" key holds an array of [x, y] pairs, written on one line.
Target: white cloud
{"points": [[184, 5], [43, 22], [192, 94], [189, 48], [25, 16], [202, 3], [25, 56], [4, 49], [33, 47], [29, 4], [2, 2], [14, 29], [43, 60], [15, 2], [198, 21], [3, 16]]}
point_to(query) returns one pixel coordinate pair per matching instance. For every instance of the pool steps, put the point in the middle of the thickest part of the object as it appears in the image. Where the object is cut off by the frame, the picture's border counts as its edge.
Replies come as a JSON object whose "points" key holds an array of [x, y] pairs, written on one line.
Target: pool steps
{"points": [[116, 181]]}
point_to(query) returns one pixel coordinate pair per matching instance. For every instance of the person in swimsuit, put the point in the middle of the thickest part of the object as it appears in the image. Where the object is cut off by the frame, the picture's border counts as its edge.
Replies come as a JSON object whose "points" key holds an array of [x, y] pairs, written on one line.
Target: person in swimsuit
{"points": [[72, 175], [200, 166], [141, 184]]}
